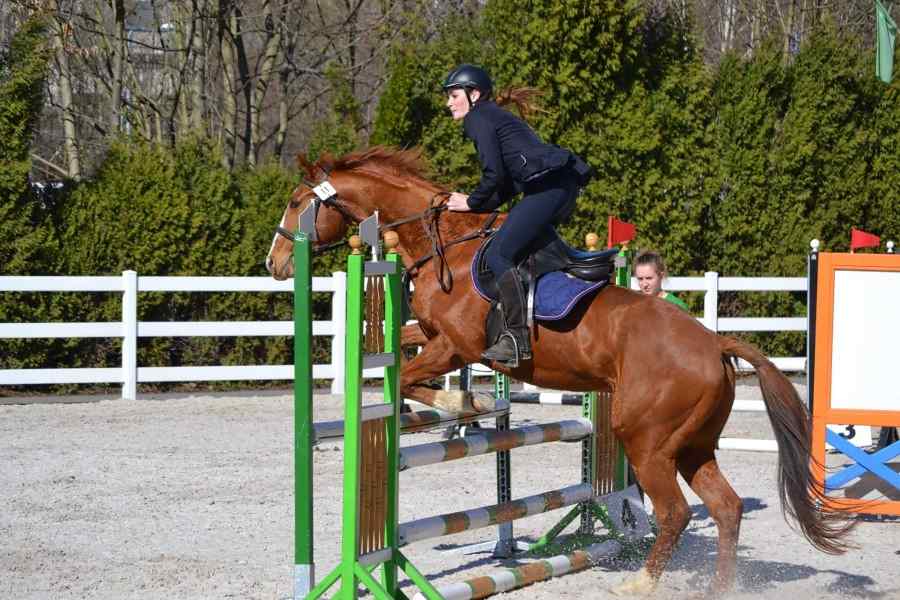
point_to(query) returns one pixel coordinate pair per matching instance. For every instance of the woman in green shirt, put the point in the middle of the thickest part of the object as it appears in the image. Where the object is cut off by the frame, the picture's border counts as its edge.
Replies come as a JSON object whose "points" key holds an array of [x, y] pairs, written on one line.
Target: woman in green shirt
{"points": [[650, 271]]}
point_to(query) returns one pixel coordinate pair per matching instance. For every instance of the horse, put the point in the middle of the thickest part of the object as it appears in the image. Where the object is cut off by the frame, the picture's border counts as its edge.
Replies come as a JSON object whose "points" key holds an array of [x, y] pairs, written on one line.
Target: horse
{"points": [[672, 379]]}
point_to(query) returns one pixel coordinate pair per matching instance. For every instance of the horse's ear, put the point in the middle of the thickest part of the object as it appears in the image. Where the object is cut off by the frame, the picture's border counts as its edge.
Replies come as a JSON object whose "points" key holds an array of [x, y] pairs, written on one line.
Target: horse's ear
{"points": [[305, 165], [326, 162]]}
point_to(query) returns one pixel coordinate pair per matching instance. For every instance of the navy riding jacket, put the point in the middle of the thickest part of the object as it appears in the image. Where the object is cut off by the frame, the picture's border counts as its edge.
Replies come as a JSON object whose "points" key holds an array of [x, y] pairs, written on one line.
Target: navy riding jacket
{"points": [[511, 154]]}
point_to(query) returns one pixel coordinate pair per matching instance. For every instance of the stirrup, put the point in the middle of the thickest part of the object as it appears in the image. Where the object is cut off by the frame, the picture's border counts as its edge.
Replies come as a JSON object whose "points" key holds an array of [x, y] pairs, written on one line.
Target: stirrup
{"points": [[512, 363]]}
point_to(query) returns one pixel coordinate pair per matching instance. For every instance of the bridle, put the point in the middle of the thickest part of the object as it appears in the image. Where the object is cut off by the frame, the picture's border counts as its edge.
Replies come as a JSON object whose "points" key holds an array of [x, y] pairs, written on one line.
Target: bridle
{"points": [[325, 194]]}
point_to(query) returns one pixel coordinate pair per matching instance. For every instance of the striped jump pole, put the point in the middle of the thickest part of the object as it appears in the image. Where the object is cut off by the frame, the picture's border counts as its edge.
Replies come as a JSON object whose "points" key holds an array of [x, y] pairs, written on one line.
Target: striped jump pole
{"points": [[412, 422], [604, 468], [494, 441], [532, 395], [505, 545], [450, 523], [518, 577]]}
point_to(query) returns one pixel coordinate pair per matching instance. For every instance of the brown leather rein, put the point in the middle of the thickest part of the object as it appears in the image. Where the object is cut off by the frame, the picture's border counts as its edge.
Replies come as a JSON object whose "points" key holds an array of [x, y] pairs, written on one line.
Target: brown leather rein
{"points": [[432, 231]]}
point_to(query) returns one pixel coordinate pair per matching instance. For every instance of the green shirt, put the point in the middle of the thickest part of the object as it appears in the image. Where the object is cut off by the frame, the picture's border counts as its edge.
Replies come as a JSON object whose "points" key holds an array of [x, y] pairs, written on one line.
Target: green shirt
{"points": [[670, 297]]}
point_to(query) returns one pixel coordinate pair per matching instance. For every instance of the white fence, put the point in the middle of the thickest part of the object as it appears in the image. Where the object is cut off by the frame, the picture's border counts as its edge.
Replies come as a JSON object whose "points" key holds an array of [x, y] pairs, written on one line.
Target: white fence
{"points": [[711, 284], [129, 329]]}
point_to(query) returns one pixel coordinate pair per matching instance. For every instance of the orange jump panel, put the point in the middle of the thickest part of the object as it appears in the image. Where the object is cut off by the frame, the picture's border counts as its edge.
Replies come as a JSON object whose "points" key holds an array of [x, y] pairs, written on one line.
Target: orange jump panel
{"points": [[823, 411]]}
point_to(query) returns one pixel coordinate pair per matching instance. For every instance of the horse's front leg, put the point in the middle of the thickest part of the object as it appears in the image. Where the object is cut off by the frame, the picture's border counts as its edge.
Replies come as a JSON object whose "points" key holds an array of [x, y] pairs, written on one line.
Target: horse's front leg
{"points": [[438, 357], [412, 335]]}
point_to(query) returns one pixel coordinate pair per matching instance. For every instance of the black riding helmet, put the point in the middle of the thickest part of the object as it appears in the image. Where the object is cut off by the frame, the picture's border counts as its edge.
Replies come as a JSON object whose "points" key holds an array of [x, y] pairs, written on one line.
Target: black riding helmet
{"points": [[468, 77]]}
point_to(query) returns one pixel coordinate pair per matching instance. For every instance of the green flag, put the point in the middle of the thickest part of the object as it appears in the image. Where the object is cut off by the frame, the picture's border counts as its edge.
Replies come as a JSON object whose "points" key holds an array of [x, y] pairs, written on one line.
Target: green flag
{"points": [[884, 52]]}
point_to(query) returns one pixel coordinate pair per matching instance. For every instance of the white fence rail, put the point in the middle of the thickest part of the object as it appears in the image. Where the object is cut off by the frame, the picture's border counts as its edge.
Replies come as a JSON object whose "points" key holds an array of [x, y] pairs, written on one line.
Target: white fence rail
{"points": [[129, 329], [711, 284]]}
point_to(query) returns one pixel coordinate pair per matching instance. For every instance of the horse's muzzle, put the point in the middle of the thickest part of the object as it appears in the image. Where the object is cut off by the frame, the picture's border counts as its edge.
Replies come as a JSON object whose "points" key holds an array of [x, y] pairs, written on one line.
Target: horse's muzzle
{"points": [[280, 272]]}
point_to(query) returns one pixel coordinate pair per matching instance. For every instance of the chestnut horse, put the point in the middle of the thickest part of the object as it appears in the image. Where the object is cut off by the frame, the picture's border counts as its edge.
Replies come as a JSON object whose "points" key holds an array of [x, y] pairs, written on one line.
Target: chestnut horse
{"points": [[673, 379]]}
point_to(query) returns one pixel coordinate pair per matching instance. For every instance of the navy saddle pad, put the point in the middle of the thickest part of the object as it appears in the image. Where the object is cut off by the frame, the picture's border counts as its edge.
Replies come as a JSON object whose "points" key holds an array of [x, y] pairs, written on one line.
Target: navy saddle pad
{"points": [[556, 292]]}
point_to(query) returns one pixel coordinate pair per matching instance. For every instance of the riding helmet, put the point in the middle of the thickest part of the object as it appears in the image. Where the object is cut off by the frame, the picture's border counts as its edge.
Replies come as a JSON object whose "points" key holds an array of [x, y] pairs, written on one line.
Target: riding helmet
{"points": [[469, 77]]}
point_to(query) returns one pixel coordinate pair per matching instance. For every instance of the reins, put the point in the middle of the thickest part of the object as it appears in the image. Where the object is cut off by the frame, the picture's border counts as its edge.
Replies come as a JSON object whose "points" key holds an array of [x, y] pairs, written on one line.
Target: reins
{"points": [[430, 221], [432, 231]]}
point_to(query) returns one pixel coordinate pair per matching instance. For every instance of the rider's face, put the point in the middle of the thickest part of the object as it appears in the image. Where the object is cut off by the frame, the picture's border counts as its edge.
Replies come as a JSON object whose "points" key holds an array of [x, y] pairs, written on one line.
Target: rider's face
{"points": [[649, 279], [459, 104]]}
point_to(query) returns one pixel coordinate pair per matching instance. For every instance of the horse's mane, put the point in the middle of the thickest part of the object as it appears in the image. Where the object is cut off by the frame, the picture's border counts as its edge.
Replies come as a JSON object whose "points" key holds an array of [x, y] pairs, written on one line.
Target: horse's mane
{"points": [[381, 160], [393, 166]]}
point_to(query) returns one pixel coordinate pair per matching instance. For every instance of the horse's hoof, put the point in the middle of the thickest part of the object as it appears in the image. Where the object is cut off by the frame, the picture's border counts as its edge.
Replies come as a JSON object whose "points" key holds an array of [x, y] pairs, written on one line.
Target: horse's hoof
{"points": [[639, 585], [458, 401], [453, 401], [483, 402]]}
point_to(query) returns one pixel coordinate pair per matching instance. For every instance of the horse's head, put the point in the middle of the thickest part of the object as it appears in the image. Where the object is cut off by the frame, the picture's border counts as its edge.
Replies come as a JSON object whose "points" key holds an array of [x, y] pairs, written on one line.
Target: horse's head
{"points": [[331, 216], [346, 190]]}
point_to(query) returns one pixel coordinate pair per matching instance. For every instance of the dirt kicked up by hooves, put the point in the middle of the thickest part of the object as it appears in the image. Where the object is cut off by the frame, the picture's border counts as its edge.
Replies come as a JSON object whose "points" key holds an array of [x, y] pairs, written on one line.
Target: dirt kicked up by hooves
{"points": [[639, 585]]}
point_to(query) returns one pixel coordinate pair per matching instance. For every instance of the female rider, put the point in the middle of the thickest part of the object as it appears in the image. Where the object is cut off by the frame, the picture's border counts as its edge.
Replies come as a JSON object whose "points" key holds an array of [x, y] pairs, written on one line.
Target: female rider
{"points": [[513, 159]]}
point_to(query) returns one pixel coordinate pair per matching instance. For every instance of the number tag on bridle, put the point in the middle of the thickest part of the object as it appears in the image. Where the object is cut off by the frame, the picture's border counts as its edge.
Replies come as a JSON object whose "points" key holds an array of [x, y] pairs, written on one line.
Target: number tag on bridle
{"points": [[325, 191]]}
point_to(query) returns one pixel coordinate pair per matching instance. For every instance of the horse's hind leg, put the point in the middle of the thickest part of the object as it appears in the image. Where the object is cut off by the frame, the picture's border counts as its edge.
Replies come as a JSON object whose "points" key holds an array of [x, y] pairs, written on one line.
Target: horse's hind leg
{"points": [[657, 476], [701, 471]]}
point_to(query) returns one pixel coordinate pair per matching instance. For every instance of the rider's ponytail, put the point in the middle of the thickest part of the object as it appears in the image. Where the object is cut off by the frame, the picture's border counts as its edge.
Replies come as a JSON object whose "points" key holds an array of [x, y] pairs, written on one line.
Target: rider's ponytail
{"points": [[524, 99]]}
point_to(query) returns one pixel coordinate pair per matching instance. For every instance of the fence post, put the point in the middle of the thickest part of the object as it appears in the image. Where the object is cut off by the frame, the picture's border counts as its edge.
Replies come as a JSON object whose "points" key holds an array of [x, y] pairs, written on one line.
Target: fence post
{"points": [[339, 325], [711, 301], [129, 335]]}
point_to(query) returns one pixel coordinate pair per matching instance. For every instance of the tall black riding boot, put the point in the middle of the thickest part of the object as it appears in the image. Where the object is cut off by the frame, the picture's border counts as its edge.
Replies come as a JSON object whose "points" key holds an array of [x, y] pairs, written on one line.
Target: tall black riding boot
{"points": [[515, 341]]}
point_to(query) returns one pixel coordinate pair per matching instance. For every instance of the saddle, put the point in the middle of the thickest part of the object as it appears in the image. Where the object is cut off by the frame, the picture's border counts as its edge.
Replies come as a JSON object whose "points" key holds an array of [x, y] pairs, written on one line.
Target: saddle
{"points": [[568, 275], [548, 254]]}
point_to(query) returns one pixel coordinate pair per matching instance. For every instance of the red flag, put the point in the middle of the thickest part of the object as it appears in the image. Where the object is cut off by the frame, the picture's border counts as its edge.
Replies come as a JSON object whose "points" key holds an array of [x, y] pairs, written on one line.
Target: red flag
{"points": [[861, 239], [618, 232]]}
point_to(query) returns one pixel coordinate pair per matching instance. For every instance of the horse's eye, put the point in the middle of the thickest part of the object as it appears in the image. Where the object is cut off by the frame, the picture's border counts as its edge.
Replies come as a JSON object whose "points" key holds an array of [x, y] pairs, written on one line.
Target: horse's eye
{"points": [[294, 204]]}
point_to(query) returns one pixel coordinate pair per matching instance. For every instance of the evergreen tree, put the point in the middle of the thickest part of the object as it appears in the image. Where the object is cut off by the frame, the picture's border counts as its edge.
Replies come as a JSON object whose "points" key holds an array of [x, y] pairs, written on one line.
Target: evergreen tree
{"points": [[339, 133], [26, 244], [412, 112], [175, 212], [22, 74], [881, 208], [750, 100], [824, 152], [159, 211]]}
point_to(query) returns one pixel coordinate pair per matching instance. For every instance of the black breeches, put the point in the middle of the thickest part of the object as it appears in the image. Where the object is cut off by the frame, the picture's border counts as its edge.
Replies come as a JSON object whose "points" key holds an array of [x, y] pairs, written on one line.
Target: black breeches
{"points": [[546, 203]]}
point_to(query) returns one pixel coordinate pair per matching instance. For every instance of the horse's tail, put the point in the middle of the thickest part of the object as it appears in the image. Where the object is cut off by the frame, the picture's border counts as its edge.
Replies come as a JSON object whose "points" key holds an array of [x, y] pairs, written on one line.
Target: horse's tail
{"points": [[801, 495]]}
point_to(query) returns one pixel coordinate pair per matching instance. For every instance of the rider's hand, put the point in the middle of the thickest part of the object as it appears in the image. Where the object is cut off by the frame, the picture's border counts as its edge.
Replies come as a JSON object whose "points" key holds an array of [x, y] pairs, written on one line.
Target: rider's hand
{"points": [[458, 202]]}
